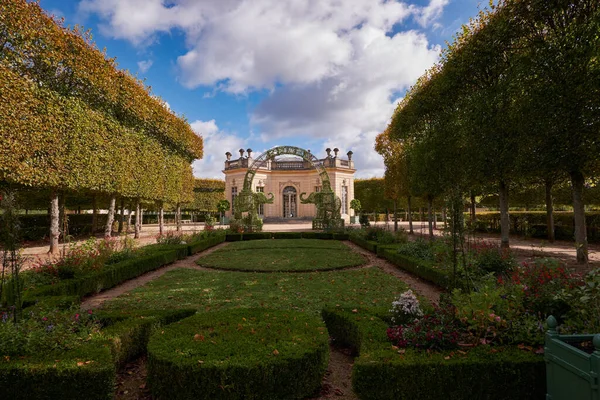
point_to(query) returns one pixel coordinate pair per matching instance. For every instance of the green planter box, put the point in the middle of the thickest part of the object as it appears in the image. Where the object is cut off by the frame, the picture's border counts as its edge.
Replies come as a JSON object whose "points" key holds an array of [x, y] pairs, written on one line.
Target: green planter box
{"points": [[571, 373]]}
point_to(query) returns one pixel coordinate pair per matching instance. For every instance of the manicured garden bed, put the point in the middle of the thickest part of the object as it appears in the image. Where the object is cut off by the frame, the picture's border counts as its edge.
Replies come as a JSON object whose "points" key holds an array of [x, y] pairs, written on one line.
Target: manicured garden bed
{"points": [[383, 371], [286, 255], [239, 354]]}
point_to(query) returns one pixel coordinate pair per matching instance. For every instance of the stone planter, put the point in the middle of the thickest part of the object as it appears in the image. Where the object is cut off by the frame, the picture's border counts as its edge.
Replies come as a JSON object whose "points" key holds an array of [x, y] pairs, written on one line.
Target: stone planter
{"points": [[571, 373]]}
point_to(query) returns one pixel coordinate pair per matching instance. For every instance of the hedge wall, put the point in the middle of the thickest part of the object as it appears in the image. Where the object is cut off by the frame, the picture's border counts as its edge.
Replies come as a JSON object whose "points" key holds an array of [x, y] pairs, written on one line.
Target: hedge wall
{"points": [[382, 372]]}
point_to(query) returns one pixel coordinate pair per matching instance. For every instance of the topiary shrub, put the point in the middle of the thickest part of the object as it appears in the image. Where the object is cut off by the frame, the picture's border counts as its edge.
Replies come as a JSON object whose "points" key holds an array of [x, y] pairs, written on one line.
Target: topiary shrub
{"points": [[239, 354]]}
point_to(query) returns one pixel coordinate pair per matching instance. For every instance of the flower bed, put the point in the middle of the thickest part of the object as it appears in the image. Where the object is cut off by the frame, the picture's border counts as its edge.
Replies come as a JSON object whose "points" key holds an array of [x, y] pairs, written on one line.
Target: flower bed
{"points": [[239, 354], [383, 371]]}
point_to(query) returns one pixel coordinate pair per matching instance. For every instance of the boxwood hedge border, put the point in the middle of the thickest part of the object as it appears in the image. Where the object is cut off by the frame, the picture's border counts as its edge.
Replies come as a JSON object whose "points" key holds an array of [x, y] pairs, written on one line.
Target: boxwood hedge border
{"points": [[385, 372]]}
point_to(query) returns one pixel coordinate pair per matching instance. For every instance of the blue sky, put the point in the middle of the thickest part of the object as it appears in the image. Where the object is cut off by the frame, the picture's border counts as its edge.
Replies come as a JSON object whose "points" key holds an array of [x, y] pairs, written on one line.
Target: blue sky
{"points": [[260, 73]]}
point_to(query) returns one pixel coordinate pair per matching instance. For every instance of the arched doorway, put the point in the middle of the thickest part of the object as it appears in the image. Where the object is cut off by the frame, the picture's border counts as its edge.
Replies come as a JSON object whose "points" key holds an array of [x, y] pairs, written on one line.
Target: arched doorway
{"points": [[290, 201]]}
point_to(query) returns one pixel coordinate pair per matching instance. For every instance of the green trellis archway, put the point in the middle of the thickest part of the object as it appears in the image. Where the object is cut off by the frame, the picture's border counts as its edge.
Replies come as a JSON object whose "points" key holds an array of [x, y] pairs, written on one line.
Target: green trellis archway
{"points": [[328, 205]]}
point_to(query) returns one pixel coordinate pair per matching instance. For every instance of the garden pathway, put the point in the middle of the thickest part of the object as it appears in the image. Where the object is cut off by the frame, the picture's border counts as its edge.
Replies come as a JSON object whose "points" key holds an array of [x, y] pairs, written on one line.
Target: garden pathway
{"points": [[421, 287], [96, 300]]}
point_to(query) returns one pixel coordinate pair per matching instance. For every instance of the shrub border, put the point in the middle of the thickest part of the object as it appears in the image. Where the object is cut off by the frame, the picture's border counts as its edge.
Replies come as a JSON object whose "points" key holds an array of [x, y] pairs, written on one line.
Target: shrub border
{"points": [[383, 372]]}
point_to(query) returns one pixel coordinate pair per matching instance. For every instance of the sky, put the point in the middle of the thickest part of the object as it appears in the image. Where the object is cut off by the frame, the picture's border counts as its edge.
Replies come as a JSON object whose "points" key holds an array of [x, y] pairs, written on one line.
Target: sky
{"points": [[263, 73]]}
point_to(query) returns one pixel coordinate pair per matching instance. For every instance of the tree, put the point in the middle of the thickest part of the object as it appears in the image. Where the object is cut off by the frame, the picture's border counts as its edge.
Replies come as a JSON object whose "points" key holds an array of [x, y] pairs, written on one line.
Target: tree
{"points": [[222, 207]]}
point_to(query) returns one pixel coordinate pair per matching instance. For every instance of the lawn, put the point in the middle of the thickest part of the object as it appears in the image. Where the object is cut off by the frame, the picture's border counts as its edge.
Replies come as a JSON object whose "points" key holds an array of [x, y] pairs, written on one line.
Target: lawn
{"points": [[300, 255], [310, 292]]}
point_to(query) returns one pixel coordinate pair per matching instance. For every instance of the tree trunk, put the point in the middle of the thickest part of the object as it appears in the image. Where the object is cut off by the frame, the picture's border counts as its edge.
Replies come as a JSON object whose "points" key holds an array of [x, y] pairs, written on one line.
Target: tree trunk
{"points": [[395, 216], [110, 218], [421, 214], [434, 219], [504, 217], [136, 234], [128, 219], [161, 220], [141, 219], [54, 223], [473, 211], [430, 216], [178, 217], [549, 210], [577, 182], [95, 215], [444, 217], [121, 216], [410, 221]]}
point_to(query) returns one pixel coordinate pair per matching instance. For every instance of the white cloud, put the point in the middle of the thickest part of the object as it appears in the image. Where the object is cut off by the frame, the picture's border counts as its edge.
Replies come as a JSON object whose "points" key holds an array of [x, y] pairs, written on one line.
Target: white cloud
{"points": [[428, 15], [216, 144], [334, 68], [144, 65]]}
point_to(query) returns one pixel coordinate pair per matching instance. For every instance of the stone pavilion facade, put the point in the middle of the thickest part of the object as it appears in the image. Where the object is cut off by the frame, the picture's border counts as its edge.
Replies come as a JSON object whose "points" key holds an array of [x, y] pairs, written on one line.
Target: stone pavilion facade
{"points": [[287, 177]]}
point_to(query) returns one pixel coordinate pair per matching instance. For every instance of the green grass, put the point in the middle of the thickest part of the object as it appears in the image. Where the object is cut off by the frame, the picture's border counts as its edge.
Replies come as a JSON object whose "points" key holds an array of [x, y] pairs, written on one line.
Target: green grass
{"points": [[300, 255], [310, 292]]}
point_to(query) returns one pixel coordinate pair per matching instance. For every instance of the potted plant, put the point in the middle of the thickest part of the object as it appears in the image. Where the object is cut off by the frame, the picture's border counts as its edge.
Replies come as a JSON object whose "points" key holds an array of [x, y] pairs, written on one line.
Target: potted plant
{"points": [[356, 206], [223, 206]]}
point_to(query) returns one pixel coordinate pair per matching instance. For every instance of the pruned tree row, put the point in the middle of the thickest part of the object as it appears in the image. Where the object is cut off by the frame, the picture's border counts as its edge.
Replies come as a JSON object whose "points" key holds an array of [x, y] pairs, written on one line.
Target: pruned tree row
{"points": [[514, 100], [73, 124]]}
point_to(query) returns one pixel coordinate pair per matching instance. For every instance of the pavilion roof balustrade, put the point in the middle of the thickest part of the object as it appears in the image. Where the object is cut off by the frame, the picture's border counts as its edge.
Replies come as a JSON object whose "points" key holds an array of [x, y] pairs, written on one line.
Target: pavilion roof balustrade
{"points": [[275, 165]]}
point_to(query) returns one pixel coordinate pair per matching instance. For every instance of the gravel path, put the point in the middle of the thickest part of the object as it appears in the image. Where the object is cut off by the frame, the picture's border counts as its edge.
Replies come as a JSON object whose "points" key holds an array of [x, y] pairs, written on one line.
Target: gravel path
{"points": [[421, 287]]}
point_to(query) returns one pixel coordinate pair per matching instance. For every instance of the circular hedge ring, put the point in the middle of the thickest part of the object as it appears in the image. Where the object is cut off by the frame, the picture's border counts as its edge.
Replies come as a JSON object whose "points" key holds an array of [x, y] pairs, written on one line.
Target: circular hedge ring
{"points": [[239, 354], [288, 259]]}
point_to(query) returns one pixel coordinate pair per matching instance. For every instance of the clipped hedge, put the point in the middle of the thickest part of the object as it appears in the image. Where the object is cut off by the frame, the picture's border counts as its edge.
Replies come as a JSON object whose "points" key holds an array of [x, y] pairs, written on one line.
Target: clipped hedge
{"points": [[106, 278], [90, 370], [365, 244], [287, 235], [197, 247], [239, 354], [236, 237], [423, 269], [382, 372], [86, 372], [153, 257], [129, 331]]}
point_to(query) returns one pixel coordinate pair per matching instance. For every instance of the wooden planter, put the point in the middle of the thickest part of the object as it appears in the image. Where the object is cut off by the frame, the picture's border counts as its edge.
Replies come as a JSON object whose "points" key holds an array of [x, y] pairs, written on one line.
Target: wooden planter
{"points": [[571, 373]]}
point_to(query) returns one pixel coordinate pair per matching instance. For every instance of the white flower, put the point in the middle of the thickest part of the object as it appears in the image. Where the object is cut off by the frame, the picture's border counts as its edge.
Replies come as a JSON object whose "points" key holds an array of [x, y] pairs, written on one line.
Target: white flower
{"points": [[406, 304]]}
